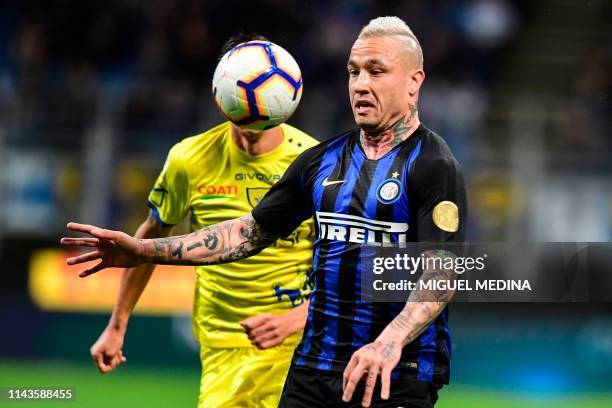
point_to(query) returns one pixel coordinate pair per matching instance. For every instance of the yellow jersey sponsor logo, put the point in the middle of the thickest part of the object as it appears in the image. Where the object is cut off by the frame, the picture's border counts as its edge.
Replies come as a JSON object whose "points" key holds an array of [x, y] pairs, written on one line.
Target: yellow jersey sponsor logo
{"points": [[213, 190]]}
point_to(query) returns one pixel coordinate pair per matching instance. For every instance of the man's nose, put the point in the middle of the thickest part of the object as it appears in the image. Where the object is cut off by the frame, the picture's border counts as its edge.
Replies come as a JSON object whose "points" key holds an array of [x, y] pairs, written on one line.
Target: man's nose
{"points": [[362, 84]]}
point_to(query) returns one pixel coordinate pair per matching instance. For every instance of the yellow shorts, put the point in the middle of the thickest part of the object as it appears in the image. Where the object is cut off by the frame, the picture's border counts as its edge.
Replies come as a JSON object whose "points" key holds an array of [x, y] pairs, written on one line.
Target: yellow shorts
{"points": [[243, 377]]}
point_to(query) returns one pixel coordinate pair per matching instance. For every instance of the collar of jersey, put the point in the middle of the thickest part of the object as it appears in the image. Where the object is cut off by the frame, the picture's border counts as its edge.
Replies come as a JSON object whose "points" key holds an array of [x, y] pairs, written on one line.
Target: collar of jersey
{"points": [[249, 158]]}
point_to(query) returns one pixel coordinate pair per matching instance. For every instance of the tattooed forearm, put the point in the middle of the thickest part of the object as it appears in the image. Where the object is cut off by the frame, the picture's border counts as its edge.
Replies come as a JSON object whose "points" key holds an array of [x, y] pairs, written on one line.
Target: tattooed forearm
{"points": [[424, 306], [211, 241], [220, 243], [178, 252], [194, 246]]}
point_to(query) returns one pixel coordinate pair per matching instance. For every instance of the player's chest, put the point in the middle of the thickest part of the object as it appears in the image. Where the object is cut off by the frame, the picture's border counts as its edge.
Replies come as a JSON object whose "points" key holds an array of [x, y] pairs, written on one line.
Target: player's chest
{"points": [[232, 186], [356, 185], [362, 201]]}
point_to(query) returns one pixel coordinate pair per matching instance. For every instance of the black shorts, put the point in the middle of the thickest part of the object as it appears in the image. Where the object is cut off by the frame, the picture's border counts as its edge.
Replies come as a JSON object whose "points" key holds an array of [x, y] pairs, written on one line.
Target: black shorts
{"points": [[309, 388]]}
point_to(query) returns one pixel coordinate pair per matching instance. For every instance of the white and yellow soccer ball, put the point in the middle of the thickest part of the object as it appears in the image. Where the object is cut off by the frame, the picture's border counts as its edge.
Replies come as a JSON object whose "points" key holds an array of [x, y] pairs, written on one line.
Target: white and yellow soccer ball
{"points": [[257, 85]]}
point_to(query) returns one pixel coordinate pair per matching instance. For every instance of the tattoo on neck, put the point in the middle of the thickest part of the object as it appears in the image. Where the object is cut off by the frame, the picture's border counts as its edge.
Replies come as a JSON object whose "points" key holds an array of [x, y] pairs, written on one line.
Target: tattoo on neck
{"points": [[399, 130]]}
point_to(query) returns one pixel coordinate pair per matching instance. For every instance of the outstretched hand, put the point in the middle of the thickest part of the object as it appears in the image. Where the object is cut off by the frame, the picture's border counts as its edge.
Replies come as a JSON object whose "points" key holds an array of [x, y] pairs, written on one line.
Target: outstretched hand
{"points": [[372, 360], [113, 248]]}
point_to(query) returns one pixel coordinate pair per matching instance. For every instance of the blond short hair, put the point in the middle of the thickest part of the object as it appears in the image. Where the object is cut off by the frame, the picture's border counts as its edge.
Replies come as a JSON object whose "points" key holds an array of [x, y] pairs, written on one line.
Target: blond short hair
{"points": [[392, 26]]}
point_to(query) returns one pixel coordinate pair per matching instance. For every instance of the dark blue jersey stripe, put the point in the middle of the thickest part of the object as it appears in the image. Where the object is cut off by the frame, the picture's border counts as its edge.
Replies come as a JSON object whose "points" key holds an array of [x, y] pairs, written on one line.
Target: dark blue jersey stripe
{"points": [[447, 331], [306, 342], [364, 310], [329, 161], [427, 353], [401, 208], [334, 258]]}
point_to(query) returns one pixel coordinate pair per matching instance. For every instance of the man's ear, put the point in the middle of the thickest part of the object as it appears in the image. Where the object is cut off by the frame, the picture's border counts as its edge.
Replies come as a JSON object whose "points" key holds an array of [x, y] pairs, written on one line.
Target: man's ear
{"points": [[417, 77]]}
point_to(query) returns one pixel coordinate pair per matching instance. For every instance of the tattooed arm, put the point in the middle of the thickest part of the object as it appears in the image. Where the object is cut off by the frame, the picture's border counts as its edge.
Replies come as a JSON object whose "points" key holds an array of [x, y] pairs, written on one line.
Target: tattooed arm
{"points": [[381, 356], [423, 306], [225, 242]]}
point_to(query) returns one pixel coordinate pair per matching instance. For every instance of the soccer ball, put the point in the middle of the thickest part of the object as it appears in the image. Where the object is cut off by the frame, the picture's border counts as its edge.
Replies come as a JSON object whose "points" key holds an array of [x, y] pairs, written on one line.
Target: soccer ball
{"points": [[257, 85]]}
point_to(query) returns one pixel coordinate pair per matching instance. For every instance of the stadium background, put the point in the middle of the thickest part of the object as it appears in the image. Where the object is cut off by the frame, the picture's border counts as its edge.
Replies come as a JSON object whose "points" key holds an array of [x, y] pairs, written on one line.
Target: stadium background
{"points": [[93, 94]]}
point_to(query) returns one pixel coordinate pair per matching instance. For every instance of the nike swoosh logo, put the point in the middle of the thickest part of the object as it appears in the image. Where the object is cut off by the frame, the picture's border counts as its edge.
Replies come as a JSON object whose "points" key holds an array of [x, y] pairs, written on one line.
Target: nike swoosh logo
{"points": [[329, 183]]}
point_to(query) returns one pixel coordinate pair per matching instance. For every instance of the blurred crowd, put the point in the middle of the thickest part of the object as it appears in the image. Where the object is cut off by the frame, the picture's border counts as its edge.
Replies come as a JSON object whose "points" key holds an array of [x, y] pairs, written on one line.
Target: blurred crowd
{"points": [[105, 88], [152, 61]]}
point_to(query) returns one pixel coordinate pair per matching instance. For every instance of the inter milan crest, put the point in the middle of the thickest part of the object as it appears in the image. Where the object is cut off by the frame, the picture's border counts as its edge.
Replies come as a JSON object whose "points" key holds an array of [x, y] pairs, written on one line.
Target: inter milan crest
{"points": [[389, 191]]}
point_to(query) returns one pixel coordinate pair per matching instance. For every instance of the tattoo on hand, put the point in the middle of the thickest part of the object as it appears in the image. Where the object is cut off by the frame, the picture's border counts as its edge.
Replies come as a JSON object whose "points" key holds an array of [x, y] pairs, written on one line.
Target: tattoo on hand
{"points": [[387, 352]]}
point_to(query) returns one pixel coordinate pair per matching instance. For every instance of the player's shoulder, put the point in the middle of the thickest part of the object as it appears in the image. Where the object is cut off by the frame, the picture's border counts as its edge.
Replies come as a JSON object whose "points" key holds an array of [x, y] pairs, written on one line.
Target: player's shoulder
{"points": [[197, 146], [208, 137], [434, 148], [435, 158], [298, 139]]}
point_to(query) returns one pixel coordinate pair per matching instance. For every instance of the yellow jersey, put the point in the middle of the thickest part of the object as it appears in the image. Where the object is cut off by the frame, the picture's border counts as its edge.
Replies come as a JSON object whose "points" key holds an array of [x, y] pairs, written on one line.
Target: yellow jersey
{"points": [[213, 180]]}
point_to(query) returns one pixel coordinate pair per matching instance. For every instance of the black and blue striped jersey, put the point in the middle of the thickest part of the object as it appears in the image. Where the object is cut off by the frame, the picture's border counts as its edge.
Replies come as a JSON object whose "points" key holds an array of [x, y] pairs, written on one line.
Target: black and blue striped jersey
{"points": [[357, 201]]}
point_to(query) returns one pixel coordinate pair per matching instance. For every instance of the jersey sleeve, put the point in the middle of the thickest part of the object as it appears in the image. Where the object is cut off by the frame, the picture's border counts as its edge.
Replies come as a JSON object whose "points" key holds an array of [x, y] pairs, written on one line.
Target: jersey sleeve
{"points": [[287, 204], [169, 198], [442, 204]]}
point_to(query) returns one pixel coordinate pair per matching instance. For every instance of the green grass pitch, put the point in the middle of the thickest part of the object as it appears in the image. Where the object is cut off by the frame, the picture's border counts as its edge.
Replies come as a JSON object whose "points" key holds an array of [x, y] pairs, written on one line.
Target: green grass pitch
{"points": [[138, 386]]}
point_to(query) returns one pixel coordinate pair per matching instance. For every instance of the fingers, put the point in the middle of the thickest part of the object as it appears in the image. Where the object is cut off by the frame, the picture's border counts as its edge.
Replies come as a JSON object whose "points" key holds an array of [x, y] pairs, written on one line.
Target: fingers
{"points": [[270, 339], [98, 359], [263, 332], [117, 360], [276, 341], [88, 242], [385, 378], [92, 230], [370, 384], [255, 321], [348, 370], [90, 256], [91, 270], [353, 380], [74, 226], [265, 337], [107, 363]]}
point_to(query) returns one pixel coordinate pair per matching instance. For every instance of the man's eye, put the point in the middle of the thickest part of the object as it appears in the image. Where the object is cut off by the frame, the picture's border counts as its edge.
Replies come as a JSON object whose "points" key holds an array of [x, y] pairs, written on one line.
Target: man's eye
{"points": [[353, 72], [376, 72]]}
